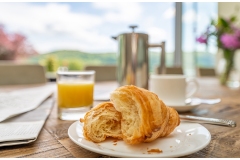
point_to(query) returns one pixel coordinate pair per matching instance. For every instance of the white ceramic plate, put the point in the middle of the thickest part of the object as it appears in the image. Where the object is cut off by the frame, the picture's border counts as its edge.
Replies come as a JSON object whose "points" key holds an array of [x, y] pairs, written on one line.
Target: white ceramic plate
{"points": [[188, 107], [186, 139]]}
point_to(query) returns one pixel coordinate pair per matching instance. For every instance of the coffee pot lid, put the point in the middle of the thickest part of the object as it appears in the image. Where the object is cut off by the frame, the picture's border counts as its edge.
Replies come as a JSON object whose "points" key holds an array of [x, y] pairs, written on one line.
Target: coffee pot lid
{"points": [[133, 27]]}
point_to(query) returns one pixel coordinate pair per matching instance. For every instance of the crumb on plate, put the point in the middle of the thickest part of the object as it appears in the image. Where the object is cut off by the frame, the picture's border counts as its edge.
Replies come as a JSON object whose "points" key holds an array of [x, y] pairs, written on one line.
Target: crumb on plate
{"points": [[155, 151]]}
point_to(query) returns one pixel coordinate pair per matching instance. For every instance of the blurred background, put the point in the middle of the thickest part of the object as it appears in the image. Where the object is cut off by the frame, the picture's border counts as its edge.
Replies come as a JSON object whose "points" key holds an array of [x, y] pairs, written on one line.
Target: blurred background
{"points": [[79, 34]]}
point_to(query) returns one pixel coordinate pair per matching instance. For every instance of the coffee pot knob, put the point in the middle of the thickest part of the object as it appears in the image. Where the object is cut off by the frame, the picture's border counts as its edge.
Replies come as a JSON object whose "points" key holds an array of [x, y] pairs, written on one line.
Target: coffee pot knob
{"points": [[133, 27]]}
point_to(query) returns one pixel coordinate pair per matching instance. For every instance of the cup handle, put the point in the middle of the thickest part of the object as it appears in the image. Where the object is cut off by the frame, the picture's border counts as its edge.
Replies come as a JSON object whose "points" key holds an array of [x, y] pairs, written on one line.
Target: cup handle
{"points": [[194, 89]]}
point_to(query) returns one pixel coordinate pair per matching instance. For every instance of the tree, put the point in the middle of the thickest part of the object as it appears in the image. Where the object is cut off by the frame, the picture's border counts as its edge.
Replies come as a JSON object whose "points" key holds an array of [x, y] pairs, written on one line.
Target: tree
{"points": [[14, 46]]}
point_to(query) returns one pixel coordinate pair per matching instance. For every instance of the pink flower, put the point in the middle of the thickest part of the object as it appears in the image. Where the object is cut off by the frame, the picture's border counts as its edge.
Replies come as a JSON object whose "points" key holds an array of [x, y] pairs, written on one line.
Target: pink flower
{"points": [[230, 41], [237, 32], [202, 39]]}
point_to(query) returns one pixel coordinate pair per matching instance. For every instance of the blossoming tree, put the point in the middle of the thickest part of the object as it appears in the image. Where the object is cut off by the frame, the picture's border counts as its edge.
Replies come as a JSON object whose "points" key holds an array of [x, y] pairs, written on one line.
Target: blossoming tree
{"points": [[14, 46]]}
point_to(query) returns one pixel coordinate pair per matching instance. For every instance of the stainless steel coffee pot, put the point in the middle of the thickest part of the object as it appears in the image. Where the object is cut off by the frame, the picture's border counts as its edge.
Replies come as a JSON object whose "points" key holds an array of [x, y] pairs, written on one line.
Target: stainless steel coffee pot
{"points": [[133, 65]]}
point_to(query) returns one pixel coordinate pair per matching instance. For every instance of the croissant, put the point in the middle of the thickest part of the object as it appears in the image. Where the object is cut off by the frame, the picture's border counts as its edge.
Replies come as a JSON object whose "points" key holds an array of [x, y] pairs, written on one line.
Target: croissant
{"points": [[134, 114], [171, 124], [144, 116], [101, 122]]}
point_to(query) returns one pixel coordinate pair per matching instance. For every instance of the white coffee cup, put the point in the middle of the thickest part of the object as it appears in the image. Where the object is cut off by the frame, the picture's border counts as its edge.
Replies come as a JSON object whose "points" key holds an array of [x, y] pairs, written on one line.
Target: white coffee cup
{"points": [[173, 89]]}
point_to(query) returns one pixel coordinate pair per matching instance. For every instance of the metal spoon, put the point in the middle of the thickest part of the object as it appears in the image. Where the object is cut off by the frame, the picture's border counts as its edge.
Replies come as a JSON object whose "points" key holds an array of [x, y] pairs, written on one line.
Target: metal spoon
{"points": [[223, 122], [205, 101]]}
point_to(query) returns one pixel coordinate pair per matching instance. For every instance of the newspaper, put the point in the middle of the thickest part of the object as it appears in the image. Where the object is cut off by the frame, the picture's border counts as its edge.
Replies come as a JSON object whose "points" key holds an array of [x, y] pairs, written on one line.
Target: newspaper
{"points": [[22, 100], [17, 128]]}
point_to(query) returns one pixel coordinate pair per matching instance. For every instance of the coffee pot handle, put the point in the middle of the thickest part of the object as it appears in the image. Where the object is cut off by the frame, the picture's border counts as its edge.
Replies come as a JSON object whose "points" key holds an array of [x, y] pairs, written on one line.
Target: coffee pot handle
{"points": [[162, 60]]}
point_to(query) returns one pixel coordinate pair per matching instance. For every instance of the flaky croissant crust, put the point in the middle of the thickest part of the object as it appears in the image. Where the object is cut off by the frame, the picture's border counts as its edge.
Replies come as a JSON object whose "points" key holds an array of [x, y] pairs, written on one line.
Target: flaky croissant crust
{"points": [[101, 122], [136, 115], [144, 116]]}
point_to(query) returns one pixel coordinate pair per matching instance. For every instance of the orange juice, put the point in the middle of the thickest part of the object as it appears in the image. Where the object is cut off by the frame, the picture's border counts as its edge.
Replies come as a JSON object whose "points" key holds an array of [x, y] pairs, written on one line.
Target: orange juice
{"points": [[72, 95]]}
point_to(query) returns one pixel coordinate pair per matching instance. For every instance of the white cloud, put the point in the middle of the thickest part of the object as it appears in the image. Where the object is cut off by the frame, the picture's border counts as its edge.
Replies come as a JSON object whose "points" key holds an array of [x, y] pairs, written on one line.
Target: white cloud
{"points": [[57, 16], [169, 13], [189, 16], [120, 12], [53, 20], [54, 26], [156, 35]]}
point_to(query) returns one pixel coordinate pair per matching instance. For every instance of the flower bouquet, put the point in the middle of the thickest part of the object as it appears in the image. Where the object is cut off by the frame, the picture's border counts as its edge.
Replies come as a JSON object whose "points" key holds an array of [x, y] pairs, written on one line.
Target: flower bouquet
{"points": [[227, 35]]}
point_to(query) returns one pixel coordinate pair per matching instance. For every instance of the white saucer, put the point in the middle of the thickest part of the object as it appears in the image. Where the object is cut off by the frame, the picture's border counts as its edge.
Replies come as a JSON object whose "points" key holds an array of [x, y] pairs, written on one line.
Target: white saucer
{"points": [[187, 107]]}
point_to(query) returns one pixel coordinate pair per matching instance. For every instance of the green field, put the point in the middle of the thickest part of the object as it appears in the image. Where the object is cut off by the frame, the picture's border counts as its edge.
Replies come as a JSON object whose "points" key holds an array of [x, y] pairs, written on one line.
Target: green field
{"points": [[78, 60]]}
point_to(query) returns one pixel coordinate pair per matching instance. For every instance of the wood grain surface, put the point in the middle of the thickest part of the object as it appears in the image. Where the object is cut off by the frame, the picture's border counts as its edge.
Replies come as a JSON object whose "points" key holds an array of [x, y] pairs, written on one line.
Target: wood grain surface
{"points": [[53, 140]]}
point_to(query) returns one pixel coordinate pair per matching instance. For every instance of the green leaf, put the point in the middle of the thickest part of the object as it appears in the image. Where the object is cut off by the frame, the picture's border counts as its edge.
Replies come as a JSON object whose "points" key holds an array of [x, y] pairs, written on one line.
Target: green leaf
{"points": [[223, 23], [213, 22], [233, 18]]}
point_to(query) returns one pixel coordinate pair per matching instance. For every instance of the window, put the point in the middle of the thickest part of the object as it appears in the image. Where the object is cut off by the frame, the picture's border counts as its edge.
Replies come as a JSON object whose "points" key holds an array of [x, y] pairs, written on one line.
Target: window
{"points": [[89, 26], [196, 17]]}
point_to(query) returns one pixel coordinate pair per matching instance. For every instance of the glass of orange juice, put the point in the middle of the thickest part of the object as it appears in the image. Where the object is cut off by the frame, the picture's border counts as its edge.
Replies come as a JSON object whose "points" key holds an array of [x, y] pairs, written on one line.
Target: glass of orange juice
{"points": [[74, 93]]}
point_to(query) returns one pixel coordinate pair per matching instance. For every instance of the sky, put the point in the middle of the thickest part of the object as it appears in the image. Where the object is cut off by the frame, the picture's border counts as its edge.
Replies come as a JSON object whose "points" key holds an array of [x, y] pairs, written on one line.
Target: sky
{"points": [[89, 26]]}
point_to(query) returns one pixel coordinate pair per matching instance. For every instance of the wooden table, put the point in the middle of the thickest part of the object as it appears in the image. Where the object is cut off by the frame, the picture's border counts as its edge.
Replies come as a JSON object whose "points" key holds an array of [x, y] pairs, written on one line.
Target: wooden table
{"points": [[53, 140]]}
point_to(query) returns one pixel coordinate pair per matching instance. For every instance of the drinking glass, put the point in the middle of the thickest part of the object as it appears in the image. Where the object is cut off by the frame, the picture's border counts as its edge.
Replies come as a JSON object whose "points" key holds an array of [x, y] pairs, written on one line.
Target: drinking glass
{"points": [[74, 93]]}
